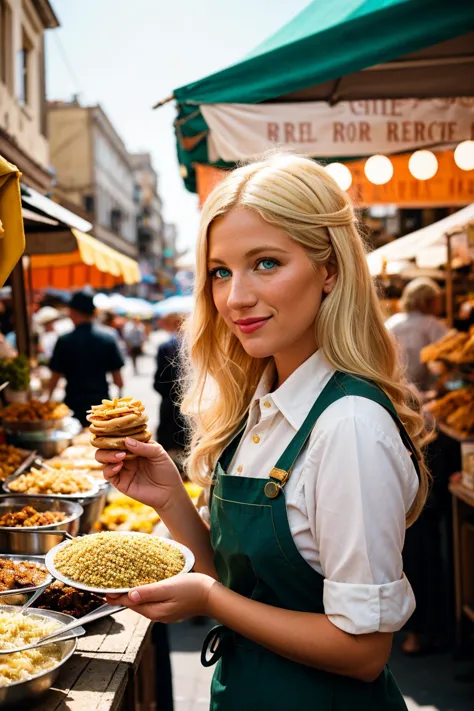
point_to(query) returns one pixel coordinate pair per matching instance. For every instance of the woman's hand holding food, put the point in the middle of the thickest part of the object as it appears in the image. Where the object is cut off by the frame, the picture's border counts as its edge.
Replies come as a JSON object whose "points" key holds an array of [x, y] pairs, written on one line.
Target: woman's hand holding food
{"points": [[151, 477], [170, 600]]}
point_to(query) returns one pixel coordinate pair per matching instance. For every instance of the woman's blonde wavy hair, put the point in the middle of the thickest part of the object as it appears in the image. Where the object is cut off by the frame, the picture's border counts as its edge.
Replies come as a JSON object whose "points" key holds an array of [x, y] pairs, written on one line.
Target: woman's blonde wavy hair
{"points": [[299, 196]]}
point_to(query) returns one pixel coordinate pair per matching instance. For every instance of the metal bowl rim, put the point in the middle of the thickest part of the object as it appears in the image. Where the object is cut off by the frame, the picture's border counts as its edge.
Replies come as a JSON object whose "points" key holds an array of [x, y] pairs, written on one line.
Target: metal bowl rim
{"points": [[49, 562], [42, 613], [52, 527]]}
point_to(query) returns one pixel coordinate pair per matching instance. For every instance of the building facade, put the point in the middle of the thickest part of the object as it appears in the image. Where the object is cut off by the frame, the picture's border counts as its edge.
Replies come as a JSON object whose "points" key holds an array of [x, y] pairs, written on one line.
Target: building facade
{"points": [[23, 125], [94, 172], [150, 225]]}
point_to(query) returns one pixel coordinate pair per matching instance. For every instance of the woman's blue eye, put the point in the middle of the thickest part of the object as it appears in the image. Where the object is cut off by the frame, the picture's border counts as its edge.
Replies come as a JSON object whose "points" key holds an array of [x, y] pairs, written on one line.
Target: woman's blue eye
{"points": [[219, 273], [267, 264]]}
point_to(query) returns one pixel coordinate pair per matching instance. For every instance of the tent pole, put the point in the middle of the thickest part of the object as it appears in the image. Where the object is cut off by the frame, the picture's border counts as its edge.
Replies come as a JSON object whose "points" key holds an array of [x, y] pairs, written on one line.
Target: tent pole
{"points": [[20, 310], [449, 283]]}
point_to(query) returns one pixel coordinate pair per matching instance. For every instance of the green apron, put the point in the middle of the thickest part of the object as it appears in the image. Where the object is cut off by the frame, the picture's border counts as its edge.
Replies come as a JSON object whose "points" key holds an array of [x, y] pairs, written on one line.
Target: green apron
{"points": [[255, 556]]}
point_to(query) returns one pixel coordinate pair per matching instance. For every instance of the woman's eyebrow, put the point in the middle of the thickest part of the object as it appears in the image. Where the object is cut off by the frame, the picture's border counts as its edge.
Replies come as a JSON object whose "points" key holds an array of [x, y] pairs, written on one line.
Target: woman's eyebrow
{"points": [[250, 253]]}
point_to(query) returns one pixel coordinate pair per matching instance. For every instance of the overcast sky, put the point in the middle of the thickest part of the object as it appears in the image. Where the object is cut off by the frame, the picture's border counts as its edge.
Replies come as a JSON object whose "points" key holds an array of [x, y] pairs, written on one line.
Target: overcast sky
{"points": [[128, 55]]}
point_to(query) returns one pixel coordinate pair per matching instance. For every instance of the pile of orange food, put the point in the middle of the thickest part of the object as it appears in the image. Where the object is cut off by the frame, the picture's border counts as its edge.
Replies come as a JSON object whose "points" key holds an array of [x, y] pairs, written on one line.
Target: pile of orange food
{"points": [[10, 460], [28, 517], [456, 409], [34, 411], [454, 347]]}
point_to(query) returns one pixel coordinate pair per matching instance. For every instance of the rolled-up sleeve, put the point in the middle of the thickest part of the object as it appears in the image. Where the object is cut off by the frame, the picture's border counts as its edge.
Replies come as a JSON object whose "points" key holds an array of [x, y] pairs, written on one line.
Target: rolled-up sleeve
{"points": [[365, 485]]}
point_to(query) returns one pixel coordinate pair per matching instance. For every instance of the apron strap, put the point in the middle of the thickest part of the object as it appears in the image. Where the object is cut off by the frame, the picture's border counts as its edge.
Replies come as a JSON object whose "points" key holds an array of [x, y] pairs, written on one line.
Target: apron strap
{"points": [[339, 386]]}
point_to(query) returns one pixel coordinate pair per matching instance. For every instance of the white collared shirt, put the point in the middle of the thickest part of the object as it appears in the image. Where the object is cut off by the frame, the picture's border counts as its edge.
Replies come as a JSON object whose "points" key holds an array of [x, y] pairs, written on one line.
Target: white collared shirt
{"points": [[347, 496]]}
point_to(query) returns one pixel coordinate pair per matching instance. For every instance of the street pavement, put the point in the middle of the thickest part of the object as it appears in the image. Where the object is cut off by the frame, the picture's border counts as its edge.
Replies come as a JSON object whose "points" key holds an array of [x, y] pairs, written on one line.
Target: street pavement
{"points": [[428, 682]]}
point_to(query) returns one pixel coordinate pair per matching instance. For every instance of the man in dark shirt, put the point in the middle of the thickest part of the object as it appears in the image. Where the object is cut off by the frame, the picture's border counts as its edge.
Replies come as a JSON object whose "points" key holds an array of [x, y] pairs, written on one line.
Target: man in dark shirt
{"points": [[84, 357]]}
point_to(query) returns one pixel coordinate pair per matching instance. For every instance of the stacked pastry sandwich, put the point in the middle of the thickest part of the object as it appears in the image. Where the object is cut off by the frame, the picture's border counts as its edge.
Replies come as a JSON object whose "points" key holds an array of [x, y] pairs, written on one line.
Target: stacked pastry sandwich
{"points": [[114, 420]]}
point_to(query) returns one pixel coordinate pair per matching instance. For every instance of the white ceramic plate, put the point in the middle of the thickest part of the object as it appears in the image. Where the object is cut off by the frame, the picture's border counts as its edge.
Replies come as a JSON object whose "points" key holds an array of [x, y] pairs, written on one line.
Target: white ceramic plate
{"points": [[49, 562]]}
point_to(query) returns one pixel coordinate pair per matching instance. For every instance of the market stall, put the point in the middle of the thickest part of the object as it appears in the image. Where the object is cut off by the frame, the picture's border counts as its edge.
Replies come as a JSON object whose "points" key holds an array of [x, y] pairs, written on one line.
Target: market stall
{"points": [[49, 504]]}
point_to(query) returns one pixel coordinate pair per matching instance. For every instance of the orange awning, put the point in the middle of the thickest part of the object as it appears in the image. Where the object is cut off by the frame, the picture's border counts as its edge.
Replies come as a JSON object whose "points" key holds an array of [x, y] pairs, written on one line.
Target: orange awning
{"points": [[92, 262], [12, 238]]}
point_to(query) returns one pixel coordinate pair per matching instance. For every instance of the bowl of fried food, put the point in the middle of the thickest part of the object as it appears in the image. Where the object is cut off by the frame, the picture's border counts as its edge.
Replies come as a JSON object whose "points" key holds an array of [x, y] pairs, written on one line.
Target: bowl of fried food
{"points": [[25, 676], [116, 561], [34, 415], [114, 420], [21, 575], [13, 460], [32, 525], [57, 482]]}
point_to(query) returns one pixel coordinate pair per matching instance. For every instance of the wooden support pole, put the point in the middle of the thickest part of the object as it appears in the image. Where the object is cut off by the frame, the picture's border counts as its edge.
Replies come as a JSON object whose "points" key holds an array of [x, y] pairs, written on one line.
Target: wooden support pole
{"points": [[449, 283], [20, 310]]}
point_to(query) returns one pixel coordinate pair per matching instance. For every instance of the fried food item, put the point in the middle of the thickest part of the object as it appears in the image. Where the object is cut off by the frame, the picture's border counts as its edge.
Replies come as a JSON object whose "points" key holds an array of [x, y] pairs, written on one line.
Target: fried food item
{"points": [[34, 411], [454, 347], [456, 409], [15, 575], [42, 481], [118, 560], [10, 460], [28, 517], [113, 420], [63, 598]]}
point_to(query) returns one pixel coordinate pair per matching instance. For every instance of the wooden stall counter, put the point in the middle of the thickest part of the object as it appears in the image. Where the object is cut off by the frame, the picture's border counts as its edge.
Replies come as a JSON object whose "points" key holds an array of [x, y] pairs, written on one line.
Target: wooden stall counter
{"points": [[113, 669], [463, 535]]}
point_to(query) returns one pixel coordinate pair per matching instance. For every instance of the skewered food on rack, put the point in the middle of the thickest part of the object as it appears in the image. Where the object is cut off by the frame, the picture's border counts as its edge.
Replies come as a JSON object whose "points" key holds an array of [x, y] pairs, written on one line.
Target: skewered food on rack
{"points": [[15, 575], [42, 481], [28, 516], [454, 347], [34, 410], [114, 420], [62, 598], [10, 460]]}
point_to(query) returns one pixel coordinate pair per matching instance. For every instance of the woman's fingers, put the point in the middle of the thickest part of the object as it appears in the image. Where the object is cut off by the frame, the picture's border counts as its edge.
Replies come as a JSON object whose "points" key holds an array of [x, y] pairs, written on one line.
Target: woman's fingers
{"points": [[149, 450], [109, 456], [111, 470]]}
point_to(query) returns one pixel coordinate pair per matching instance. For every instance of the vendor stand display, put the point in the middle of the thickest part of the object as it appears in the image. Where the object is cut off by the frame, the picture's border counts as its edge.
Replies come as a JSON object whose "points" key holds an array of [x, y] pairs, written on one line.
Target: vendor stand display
{"points": [[454, 415]]}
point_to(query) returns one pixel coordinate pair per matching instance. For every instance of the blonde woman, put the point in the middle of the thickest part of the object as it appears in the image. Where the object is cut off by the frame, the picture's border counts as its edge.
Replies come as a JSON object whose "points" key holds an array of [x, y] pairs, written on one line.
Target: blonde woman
{"points": [[310, 448]]}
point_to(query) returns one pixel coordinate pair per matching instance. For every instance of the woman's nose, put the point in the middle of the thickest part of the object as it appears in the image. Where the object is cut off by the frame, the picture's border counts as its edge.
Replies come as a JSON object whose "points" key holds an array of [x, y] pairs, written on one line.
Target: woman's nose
{"points": [[241, 294]]}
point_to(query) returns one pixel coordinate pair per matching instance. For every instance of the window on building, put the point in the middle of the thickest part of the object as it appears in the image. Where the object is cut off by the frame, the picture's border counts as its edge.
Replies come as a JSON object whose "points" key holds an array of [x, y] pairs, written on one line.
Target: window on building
{"points": [[6, 34], [115, 219], [89, 203], [24, 69]]}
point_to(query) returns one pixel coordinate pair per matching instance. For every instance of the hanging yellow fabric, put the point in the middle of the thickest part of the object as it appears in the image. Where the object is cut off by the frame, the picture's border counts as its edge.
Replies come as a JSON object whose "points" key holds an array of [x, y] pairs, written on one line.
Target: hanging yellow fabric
{"points": [[12, 236]]}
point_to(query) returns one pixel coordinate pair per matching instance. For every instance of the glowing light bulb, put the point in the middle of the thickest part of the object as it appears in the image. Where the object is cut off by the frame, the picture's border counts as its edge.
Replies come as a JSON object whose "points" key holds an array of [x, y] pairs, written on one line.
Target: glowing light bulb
{"points": [[464, 155], [423, 165], [378, 169], [341, 174]]}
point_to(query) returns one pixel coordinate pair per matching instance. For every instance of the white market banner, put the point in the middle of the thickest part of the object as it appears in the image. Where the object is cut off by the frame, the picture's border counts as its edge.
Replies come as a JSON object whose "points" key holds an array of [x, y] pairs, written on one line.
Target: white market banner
{"points": [[350, 128]]}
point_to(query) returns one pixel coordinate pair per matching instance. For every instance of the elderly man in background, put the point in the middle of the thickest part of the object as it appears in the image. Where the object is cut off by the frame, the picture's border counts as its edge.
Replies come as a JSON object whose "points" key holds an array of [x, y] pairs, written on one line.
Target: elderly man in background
{"points": [[417, 326]]}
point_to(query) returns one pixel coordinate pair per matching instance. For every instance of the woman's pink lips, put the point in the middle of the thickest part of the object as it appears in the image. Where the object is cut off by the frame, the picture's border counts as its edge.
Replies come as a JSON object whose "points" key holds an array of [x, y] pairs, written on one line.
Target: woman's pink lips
{"points": [[248, 326]]}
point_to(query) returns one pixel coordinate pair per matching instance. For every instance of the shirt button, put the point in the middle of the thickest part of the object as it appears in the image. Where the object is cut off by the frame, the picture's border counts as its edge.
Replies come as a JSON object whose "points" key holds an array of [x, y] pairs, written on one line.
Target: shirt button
{"points": [[267, 404], [256, 439], [239, 468]]}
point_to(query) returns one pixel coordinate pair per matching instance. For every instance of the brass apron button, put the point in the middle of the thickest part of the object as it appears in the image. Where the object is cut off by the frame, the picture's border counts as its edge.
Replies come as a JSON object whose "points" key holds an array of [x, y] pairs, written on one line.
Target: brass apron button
{"points": [[272, 489]]}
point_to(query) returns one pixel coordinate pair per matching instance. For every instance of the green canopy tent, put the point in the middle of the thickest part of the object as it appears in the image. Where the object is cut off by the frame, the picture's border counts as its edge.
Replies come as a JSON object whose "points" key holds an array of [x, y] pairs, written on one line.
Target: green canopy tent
{"points": [[343, 50]]}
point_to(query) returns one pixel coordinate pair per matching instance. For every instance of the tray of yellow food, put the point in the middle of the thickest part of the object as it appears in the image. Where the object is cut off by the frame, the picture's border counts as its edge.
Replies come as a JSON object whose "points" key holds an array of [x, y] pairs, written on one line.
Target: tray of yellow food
{"points": [[34, 415], [44, 482], [116, 561], [455, 347], [14, 460], [126, 514]]}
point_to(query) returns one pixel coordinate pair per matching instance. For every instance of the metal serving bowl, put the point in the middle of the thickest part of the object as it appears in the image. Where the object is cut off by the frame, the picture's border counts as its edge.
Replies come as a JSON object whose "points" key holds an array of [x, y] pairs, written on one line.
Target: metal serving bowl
{"points": [[25, 693], [92, 507], [18, 596], [38, 540]]}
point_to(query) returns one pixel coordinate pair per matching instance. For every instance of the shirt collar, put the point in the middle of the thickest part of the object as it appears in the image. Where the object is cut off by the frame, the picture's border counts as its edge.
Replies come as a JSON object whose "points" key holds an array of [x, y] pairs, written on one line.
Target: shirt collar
{"points": [[299, 392]]}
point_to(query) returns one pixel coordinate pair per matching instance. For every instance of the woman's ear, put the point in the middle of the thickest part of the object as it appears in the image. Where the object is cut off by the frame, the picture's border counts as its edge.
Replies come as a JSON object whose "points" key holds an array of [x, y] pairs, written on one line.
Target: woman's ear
{"points": [[331, 277]]}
